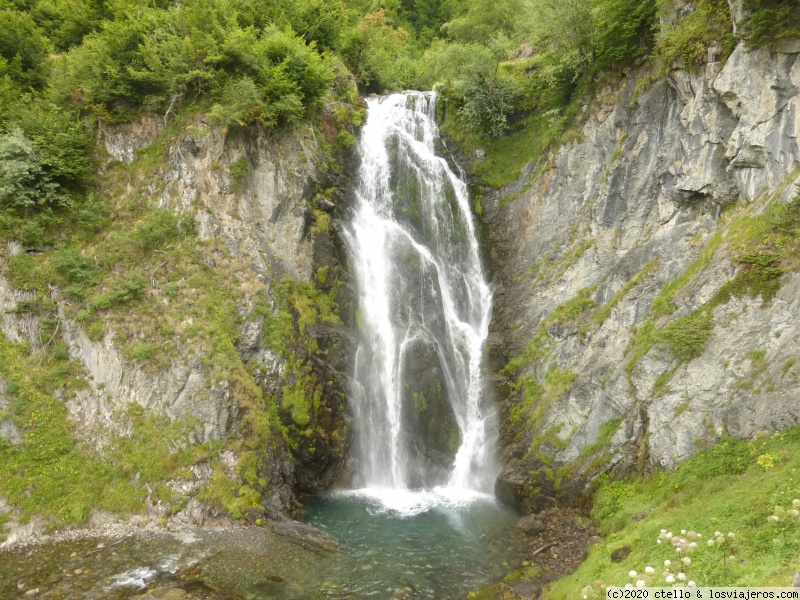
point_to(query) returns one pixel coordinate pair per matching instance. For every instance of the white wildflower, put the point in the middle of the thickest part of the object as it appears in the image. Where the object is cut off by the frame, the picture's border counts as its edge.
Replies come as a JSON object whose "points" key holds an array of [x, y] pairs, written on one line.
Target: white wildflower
{"points": [[670, 579], [640, 584], [658, 541], [649, 570], [691, 583], [667, 563], [681, 576], [686, 560], [632, 573], [731, 535], [669, 535], [683, 532], [628, 586], [796, 503], [710, 542]]}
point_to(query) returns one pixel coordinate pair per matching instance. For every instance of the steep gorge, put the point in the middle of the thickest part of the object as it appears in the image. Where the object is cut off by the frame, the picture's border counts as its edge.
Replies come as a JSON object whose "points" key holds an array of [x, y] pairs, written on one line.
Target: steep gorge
{"points": [[645, 299]]}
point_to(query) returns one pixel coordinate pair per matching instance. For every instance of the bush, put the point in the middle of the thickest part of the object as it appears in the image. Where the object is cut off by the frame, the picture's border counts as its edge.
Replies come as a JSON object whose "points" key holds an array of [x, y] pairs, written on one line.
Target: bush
{"points": [[687, 38], [377, 54], [487, 104], [24, 181]]}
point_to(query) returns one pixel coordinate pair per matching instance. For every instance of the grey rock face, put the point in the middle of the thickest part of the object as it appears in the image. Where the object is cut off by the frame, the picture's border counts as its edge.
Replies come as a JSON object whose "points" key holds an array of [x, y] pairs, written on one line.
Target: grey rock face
{"points": [[647, 183], [122, 141], [252, 191]]}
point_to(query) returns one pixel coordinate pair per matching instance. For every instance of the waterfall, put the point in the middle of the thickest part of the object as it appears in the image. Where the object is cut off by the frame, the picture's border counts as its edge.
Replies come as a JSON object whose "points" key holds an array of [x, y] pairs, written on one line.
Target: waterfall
{"points": [[421, 420]]}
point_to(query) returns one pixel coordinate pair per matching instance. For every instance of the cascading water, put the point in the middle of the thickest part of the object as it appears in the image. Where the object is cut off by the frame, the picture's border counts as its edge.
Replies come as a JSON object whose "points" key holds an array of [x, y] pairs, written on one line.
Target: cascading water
{"points": [[423, 314]]}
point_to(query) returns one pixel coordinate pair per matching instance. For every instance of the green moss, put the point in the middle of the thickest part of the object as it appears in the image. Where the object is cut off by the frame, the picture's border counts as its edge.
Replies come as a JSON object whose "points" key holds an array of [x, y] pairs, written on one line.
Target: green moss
{"points": [[239, 169], [322, 222], [765, 246], [420, 403]]}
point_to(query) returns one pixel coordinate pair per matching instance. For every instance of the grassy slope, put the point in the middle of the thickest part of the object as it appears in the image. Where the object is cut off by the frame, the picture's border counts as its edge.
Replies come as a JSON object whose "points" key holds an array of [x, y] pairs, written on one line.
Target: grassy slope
{"points": [[734, 486]]}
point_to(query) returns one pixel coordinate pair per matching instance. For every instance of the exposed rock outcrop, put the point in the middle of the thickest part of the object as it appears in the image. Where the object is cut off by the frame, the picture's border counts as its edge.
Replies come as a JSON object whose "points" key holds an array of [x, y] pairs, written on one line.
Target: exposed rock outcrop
{"points": [[272, 199], [600, 233]]}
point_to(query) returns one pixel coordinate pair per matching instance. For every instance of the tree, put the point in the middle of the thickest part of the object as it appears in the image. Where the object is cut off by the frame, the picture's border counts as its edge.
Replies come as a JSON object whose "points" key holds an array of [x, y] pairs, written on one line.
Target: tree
{"points": [[24, 182], [375, 52]]}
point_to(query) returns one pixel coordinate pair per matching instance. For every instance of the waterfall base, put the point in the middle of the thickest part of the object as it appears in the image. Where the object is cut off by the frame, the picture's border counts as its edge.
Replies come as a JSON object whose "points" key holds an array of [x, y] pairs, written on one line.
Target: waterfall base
{"points": [[438, 544]]}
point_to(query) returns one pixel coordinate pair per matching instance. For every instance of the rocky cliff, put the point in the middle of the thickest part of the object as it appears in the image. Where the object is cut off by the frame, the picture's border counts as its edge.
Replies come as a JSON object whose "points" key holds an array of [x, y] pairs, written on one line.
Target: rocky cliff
{"points": [[646, 277], [231, 343]]}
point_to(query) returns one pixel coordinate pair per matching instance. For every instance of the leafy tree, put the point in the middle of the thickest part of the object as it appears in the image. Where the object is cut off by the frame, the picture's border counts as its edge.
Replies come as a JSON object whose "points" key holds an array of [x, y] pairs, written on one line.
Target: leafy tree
{"points": [[23, 47], [66, 22], [376, 53], [24, 180], [487, 105], [487, 19]]}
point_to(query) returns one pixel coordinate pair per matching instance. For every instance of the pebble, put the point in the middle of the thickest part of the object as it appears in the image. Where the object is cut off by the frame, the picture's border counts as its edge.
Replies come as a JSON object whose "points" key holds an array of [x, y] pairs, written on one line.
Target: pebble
{"points": [[78, 571], [32, 593]]}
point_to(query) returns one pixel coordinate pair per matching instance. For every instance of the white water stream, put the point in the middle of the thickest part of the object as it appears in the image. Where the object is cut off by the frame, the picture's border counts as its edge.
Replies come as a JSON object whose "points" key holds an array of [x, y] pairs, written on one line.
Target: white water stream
{"points": [[423, 307]]}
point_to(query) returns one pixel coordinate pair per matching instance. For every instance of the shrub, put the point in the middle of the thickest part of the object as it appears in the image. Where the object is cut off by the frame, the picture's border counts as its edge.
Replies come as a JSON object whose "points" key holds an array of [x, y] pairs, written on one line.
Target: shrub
{"points": [[24, 181]]}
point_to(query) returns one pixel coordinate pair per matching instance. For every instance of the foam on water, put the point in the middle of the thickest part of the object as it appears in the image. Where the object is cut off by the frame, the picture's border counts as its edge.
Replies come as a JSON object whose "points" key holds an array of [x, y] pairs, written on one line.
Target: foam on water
{"points": [[408, 503]]}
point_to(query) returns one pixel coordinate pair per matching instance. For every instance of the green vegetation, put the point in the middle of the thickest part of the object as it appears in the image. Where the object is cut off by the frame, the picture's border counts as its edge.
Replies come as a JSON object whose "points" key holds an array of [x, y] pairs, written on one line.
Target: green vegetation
{"points": [[687, 39], [769, 21], [764, 246], [733, 486]]}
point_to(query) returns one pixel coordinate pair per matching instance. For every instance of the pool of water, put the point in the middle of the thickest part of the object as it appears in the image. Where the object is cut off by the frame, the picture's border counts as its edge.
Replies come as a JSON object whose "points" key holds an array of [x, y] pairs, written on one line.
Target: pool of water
{"points": [[392, 545], [415, 544]]}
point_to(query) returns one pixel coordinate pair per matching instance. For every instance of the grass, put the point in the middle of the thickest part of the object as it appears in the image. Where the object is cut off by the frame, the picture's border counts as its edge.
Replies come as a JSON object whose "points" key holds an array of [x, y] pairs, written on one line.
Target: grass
{"points": [[734, 486], [50, 473]]}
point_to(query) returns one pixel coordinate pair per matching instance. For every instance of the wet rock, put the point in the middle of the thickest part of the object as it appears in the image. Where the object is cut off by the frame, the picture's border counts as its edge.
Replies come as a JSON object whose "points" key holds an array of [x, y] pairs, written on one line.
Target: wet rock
{"points": [[255, 516], [531, 525], [620, 554], [525, 588], [308, 536], [407, 592]]}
